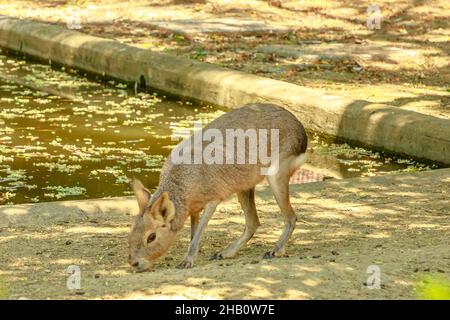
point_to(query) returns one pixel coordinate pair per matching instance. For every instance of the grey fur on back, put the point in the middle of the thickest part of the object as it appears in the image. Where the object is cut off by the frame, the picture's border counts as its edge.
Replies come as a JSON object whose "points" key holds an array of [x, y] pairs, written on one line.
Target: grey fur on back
{"points": [[191, 186]]}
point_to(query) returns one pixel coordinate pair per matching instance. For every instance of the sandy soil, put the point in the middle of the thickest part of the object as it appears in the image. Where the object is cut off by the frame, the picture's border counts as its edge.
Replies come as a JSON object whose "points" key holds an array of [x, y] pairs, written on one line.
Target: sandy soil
{"points": [[399, 223], [418, 81]]}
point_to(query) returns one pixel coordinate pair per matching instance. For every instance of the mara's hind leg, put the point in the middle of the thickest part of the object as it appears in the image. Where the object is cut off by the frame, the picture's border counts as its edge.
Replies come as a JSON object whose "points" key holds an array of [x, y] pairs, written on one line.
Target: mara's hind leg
{"points": [[279, 183], [247, 201]]}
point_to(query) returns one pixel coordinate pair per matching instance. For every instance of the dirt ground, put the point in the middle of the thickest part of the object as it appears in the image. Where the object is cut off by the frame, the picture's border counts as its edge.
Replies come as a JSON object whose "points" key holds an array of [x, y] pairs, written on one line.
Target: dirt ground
{"points": [[397, 223], [409, 68]]}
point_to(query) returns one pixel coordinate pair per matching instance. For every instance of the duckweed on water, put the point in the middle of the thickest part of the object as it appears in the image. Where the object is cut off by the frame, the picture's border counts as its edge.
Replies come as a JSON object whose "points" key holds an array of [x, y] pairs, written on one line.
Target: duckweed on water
{"points": [[71, 138], [63, 192], [86, 143], [354, 161]]}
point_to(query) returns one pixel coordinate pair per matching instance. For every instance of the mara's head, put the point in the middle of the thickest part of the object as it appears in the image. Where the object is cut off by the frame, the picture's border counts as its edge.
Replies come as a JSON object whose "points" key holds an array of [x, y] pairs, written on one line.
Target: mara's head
{"points": [[151, 234]]}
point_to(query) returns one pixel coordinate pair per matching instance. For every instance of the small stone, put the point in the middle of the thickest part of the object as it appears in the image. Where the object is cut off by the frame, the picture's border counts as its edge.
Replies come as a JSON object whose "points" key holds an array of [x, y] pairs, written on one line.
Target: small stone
{"points": [[357, 68]]}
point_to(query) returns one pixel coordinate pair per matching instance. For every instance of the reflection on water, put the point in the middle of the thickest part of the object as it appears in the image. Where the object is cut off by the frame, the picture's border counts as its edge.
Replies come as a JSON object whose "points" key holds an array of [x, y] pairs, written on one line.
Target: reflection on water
{"points": [[63, 136]]}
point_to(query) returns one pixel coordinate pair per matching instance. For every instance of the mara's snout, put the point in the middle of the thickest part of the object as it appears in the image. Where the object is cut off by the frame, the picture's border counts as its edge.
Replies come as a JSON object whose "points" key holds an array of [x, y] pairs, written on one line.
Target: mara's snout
{"points": [[138, 264], [230, 155]]}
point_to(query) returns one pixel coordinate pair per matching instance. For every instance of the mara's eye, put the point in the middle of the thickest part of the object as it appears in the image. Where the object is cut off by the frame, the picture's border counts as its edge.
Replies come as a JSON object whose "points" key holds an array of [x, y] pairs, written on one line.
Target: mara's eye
{"points": [[151, 237]]}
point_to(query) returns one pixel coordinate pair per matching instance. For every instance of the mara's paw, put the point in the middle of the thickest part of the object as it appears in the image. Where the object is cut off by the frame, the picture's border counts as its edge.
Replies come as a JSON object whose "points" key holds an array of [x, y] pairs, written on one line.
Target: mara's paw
{"points": [[269, 255], [216, 256], [185, 264], [274, 254]]}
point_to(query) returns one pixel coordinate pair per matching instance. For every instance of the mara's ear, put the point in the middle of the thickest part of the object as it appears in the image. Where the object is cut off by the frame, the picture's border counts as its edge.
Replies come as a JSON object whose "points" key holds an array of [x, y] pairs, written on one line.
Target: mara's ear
{"points": [[164, 208], [142, 194]]}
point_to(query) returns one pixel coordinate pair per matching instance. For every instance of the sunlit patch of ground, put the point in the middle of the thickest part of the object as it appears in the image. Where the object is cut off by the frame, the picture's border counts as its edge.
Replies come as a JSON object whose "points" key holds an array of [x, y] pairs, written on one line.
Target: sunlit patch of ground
{"points": [[396, 223], [421, 30]]}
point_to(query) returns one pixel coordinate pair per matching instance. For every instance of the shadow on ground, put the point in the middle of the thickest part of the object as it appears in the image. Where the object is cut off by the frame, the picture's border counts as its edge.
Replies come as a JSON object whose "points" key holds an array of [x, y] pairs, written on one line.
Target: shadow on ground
{"points": [[395, 222]]}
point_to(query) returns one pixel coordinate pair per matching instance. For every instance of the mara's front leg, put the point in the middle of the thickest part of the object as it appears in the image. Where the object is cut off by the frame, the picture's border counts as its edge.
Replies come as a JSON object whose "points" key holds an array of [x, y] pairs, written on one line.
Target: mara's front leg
{"points": [[247, 201], [194, 223], [188, 261]]}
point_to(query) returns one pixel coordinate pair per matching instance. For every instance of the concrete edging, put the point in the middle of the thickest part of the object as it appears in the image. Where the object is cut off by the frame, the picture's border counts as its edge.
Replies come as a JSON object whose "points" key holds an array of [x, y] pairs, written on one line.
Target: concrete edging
{"points": [[378, 125], [45, 213]]}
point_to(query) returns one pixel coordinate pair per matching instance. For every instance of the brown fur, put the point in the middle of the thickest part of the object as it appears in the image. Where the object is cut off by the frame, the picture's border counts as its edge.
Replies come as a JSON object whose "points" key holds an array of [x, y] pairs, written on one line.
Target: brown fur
{"points": [[187, 189]]}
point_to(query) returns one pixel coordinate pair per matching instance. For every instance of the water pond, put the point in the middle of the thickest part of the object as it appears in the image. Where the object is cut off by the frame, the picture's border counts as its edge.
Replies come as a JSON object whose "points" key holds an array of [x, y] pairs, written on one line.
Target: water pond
{"points": [[64, 135]]}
